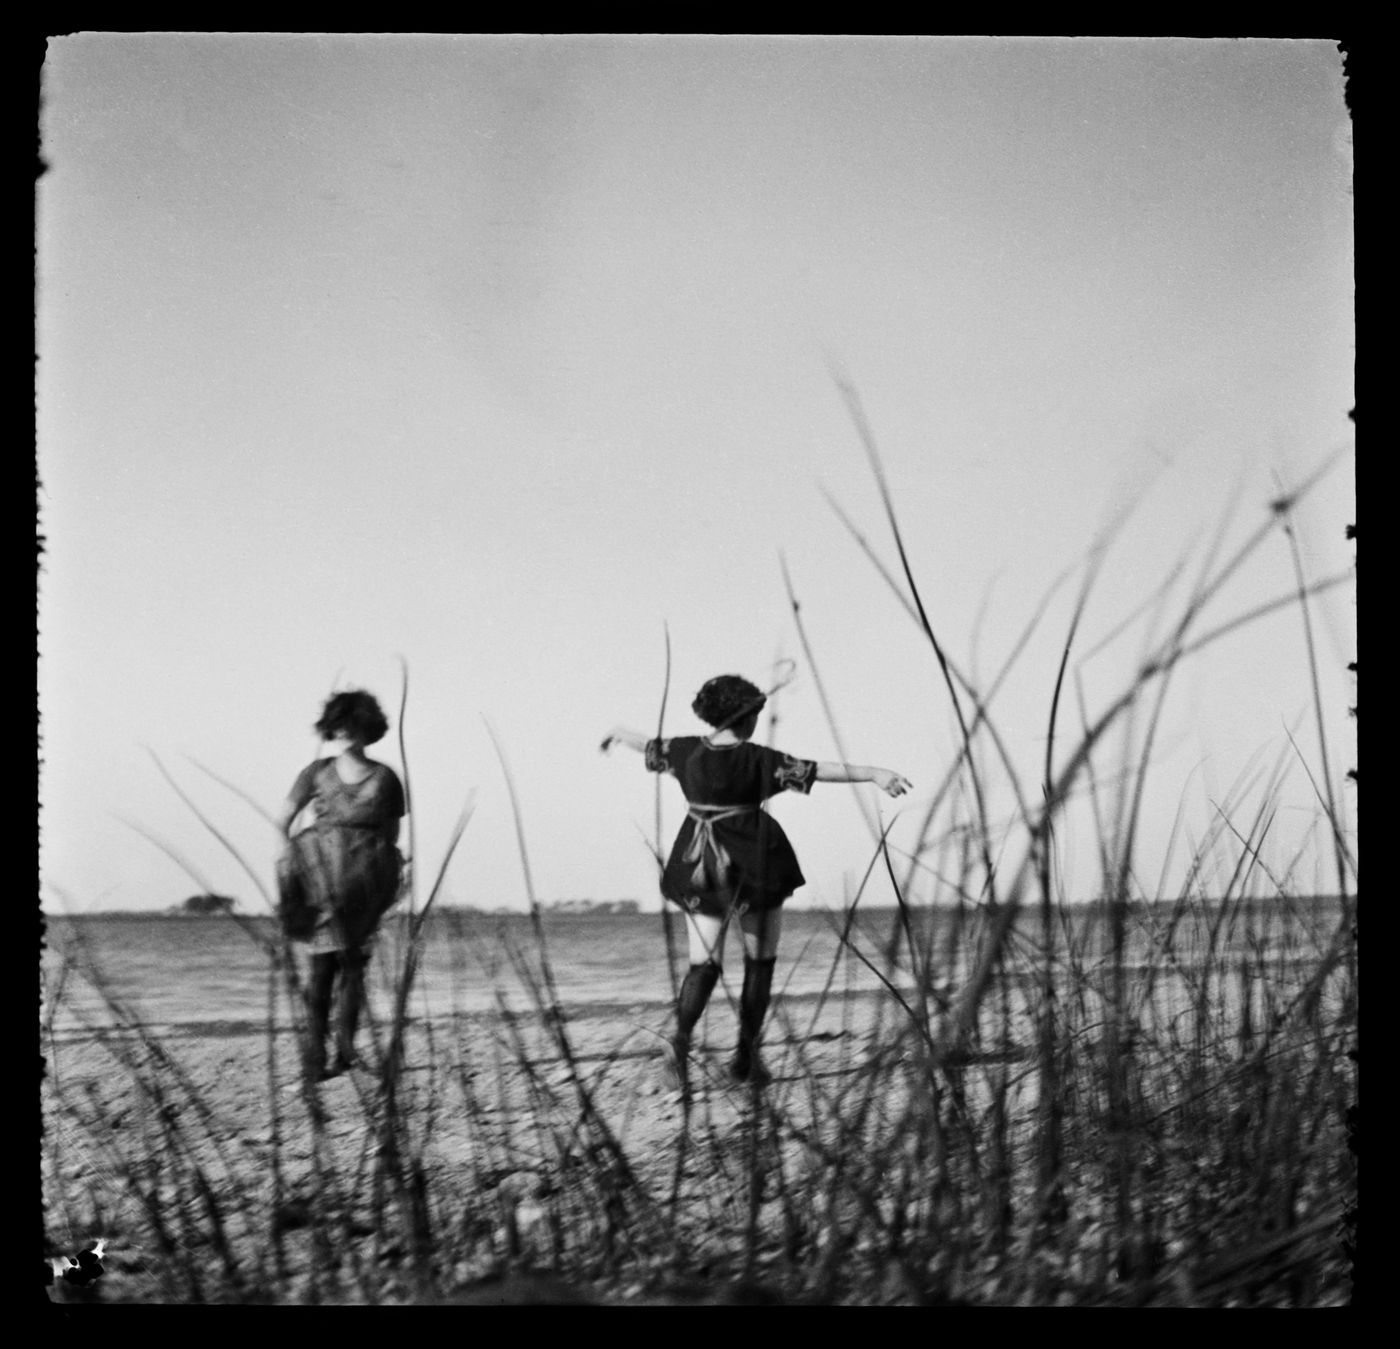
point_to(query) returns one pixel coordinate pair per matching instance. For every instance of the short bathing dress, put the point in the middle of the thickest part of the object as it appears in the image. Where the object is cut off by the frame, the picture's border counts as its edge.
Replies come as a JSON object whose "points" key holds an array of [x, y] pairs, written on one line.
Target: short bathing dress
{"points": [[730, 855], [347, 869]]}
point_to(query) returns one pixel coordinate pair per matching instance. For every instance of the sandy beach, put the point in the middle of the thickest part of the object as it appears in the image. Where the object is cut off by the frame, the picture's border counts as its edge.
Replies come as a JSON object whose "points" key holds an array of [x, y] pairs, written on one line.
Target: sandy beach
{"points": [[508, 1166], [490, 1107]]}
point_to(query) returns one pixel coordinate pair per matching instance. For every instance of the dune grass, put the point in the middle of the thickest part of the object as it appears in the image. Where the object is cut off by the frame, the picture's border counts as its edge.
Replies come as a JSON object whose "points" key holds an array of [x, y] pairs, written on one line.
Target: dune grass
{"points": [[1142, 1102]]}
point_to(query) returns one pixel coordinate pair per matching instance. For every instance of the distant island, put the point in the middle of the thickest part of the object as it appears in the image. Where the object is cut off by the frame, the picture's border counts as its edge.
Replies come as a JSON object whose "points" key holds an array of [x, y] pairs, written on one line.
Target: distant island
{"points": [[212, 906], [204, 906], [592, 906], [570, 906]]}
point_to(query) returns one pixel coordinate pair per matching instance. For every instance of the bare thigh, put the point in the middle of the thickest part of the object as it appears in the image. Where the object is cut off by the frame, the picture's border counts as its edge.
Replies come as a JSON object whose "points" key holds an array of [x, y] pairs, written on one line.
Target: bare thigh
{"points": [[761, 929], [707, 935], [706, 938]]}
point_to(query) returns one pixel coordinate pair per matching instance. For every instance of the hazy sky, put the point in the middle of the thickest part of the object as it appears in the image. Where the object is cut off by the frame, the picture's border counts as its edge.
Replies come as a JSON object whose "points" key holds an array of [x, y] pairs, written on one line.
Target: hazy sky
{"points": [[502, 354]]}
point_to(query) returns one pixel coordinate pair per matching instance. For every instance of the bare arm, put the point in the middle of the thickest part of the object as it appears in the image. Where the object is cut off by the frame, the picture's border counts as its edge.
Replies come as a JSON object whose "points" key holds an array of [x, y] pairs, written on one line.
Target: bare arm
{"points": [[399, 807], [293, 806], [620, 735], [289, 812], [884, 778]]}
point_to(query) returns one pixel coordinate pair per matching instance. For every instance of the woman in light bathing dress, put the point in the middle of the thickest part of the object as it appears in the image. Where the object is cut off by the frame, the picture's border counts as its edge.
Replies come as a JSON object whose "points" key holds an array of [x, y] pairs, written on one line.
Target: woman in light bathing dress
{"points": [[731, 858], [343, 871]]}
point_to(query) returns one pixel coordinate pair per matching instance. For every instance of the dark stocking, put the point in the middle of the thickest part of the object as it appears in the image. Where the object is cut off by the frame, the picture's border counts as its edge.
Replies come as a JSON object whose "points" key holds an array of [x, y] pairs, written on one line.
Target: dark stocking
{"points": [[753, 1007], [695, 992], [320, 983], [352, 998]]}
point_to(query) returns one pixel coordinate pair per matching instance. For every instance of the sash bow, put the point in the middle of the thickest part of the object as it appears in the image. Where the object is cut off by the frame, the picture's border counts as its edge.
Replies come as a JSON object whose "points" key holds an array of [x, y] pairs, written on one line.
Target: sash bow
{"points": [[703, 842]]}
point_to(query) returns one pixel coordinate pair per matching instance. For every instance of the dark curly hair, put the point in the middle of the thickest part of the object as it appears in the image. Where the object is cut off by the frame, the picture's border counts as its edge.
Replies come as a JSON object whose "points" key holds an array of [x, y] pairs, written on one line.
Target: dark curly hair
{"points": [[727, 700], [354, 711]]}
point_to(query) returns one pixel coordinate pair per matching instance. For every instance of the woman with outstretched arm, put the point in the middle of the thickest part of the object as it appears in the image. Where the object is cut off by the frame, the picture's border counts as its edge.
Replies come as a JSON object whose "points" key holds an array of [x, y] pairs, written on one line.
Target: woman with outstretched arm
{"points": [[731, 858]]}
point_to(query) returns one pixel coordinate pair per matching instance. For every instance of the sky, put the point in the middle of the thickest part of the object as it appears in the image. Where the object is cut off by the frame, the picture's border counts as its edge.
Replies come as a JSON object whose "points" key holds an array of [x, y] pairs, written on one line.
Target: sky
{"points": [[509, 360]]}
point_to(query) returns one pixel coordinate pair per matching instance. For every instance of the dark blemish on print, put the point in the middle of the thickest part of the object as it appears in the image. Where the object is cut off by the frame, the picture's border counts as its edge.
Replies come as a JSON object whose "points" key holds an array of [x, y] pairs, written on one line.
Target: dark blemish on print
{"points": [[79, 1272]]}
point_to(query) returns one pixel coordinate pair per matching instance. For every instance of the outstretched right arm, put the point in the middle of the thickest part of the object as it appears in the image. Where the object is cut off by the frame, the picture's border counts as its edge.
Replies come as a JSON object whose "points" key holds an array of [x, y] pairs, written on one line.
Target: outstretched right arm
{"points": [[888, 781], [620, 735]]}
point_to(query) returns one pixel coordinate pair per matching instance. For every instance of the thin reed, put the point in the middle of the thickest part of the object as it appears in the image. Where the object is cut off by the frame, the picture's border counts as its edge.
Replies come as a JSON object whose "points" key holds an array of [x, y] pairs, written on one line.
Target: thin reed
{"points": [[1137, 1102]]}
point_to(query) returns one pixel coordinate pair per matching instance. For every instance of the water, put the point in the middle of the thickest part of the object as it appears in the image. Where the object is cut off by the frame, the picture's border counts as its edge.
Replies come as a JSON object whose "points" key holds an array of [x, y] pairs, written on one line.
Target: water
{"points": [[190, 976]]}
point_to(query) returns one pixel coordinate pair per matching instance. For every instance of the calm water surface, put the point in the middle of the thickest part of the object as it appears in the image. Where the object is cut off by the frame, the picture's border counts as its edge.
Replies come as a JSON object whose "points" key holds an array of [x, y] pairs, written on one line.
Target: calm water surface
{"points": [[188, 975]]}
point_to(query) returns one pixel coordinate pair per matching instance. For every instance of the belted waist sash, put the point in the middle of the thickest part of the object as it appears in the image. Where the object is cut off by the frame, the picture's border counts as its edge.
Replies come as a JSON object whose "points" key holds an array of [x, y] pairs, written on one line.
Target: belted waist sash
{"points": [[703, 841]]}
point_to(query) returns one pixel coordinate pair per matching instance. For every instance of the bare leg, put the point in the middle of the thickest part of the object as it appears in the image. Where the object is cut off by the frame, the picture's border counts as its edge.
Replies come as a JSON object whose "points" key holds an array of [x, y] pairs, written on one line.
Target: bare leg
{"points": [[762, 928], [706, 938]]}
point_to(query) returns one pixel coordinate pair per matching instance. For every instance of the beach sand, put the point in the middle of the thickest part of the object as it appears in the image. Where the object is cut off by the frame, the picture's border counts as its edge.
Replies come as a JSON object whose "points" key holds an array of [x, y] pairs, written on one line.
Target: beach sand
{"points": [[489, 1103], [213, 1172]]}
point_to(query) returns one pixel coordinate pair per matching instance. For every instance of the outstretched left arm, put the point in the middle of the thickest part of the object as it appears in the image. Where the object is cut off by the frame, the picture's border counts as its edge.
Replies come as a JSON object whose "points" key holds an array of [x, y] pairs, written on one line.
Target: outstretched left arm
{"points": [[620, 735]]}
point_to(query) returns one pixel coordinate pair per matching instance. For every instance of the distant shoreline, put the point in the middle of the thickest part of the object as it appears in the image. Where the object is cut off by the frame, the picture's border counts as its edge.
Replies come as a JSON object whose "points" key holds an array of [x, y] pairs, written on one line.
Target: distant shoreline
{"points": [[609, 909], [576, 1013]]}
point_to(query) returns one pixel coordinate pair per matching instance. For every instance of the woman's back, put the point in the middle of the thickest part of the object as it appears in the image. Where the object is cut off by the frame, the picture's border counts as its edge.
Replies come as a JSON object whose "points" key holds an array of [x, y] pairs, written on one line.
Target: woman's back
{"points": [[729, 774]]}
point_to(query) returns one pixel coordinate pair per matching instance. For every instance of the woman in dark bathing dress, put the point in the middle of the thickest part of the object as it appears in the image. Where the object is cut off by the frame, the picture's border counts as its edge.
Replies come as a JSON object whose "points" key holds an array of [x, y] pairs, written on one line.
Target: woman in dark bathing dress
{"points": [[345, 867], [731, 858]]}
